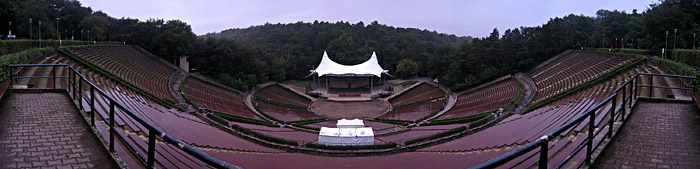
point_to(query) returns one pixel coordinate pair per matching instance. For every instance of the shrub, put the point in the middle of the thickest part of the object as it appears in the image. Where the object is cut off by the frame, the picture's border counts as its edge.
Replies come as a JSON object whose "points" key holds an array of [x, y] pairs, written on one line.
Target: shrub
{"points": [[20, 58], [13, 46]]}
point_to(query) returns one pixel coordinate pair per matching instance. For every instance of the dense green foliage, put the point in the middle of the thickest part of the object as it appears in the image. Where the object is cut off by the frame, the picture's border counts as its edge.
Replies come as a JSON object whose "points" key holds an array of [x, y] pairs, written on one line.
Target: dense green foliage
{"points": [[436, 135], [12, 46], [243, 57], [690, 57], [20, 58]]}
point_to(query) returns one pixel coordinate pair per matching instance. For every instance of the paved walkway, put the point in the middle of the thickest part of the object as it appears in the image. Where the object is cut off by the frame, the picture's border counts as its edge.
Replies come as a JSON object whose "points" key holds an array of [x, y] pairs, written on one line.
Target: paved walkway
{"points": [[44, 130], [657, 135]]}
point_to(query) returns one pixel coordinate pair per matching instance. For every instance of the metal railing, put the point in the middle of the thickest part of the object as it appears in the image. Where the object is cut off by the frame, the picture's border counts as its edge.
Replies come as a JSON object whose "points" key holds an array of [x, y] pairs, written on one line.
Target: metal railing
{"points": [[630, 94], [75, 81]]}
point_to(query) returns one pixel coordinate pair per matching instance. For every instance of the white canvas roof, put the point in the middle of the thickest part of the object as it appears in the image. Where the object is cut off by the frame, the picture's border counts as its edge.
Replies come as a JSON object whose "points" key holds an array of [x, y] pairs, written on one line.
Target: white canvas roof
{"points": [[347, 132], [354, 123], [328, 66], [326, 131], [364, 132]]}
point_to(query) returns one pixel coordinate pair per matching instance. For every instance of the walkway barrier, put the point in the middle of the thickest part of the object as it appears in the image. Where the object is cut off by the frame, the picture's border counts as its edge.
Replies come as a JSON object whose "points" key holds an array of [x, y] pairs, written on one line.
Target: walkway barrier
{"points": [[76, 81], [629, 92]]}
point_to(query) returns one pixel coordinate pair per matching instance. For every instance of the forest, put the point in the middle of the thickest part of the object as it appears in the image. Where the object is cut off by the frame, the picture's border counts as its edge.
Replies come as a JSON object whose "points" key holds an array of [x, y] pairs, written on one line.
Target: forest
{"points": [[242, 57]]}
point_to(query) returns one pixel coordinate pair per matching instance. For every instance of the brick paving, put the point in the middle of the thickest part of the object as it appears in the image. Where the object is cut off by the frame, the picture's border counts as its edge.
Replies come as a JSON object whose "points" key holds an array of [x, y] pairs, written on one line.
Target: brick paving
{"points": [[44, 130], [657, 135]]}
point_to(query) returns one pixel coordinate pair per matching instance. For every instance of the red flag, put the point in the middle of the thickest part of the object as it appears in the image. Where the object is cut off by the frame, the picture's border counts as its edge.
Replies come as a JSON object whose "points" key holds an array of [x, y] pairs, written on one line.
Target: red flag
{"points": [[59, 36], [90, 38], [611, 46], [623, 46]]}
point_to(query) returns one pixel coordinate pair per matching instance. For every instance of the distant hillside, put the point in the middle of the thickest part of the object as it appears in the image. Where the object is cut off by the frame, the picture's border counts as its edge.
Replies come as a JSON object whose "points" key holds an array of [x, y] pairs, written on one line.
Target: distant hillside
{"points": [[303, 43]]}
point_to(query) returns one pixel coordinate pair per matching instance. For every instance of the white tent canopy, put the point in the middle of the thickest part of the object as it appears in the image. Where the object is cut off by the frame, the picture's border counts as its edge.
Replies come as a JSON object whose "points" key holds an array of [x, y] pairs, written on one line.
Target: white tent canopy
{"points": [[330, 67], [354, 123]]}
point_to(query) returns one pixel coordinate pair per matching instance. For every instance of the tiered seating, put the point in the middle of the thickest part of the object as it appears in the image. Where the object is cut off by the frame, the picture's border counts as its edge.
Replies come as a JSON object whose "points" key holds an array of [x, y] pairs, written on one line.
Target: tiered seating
{"points": [[132, 66], [415, 112], [278, 94], [178, 124], [485, 99], [216, 98], [518, 129], [421, 92], [572, 70]]}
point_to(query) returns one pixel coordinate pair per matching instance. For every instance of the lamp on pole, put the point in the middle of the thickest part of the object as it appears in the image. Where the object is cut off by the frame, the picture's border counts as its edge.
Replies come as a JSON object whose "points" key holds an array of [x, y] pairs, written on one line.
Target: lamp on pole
{"points": [[666, 45], [58, 33], [39, 34], [622, 42], [674, 38], [30, 29], [10, 28], [616, 41], [694, 41], [81, 35]]}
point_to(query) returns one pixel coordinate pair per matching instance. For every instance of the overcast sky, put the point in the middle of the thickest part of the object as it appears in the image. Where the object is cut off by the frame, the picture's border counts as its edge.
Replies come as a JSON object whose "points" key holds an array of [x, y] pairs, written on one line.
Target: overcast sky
{"points": [[460, 17]]}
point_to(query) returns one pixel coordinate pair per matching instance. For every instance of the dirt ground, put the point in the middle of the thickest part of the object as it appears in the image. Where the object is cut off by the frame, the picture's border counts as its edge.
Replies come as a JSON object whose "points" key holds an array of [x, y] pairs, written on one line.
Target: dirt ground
{"points": [[350, 110]]}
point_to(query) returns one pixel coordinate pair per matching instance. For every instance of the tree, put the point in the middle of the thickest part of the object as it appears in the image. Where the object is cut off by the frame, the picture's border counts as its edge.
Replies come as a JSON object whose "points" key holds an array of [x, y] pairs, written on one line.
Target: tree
{"points": [[407, 68], [279, 67]]}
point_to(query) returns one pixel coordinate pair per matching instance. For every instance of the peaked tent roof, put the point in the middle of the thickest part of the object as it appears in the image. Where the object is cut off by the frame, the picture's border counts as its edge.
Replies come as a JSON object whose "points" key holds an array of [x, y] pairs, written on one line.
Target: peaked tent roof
{"points": [[328, 66]]}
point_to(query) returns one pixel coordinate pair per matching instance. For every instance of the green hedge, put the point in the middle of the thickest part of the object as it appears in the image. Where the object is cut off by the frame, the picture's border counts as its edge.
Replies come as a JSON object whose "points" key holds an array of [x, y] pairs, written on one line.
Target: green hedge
{"points": [[163, 102], [361, 147], [20, 58], [436, 135], [310, 121], [686, 56], [639, 52], [460, 120], [241, 119], [397, 122], [678, 68], [263, 136], [586, 85], [13, 46]]}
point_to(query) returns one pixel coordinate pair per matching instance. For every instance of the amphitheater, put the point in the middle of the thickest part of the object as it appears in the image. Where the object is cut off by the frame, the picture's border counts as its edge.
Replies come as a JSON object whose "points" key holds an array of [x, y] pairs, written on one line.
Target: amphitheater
{"points": [[144, 111]]}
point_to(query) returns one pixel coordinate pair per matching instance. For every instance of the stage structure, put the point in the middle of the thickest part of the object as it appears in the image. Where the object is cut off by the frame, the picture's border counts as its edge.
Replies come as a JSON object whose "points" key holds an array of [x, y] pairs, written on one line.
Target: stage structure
{"points": [[347, 133], [332, 78]]}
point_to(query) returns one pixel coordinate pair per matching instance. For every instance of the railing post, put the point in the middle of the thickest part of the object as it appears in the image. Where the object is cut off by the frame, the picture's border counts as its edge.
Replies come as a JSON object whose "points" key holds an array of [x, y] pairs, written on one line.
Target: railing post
{"points": [[92, 105], [9, 73], [111, 126], [80, 92], [612, 115], [151, 148], [591, 127], [651, 85], [543, 154], [54, 76], [636, 86], [624, 102]]}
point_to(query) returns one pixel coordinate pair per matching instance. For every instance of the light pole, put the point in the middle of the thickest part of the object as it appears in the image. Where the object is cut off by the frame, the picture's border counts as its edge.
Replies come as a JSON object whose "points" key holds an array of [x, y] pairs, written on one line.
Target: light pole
{"points": [[30, 29], [10, 28], [674, 38], [39, 34], [616, 41], [694, 41], [666, 45], [88, 37], [58, 33], [622, 43], [81, 35], [632, 44]]}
